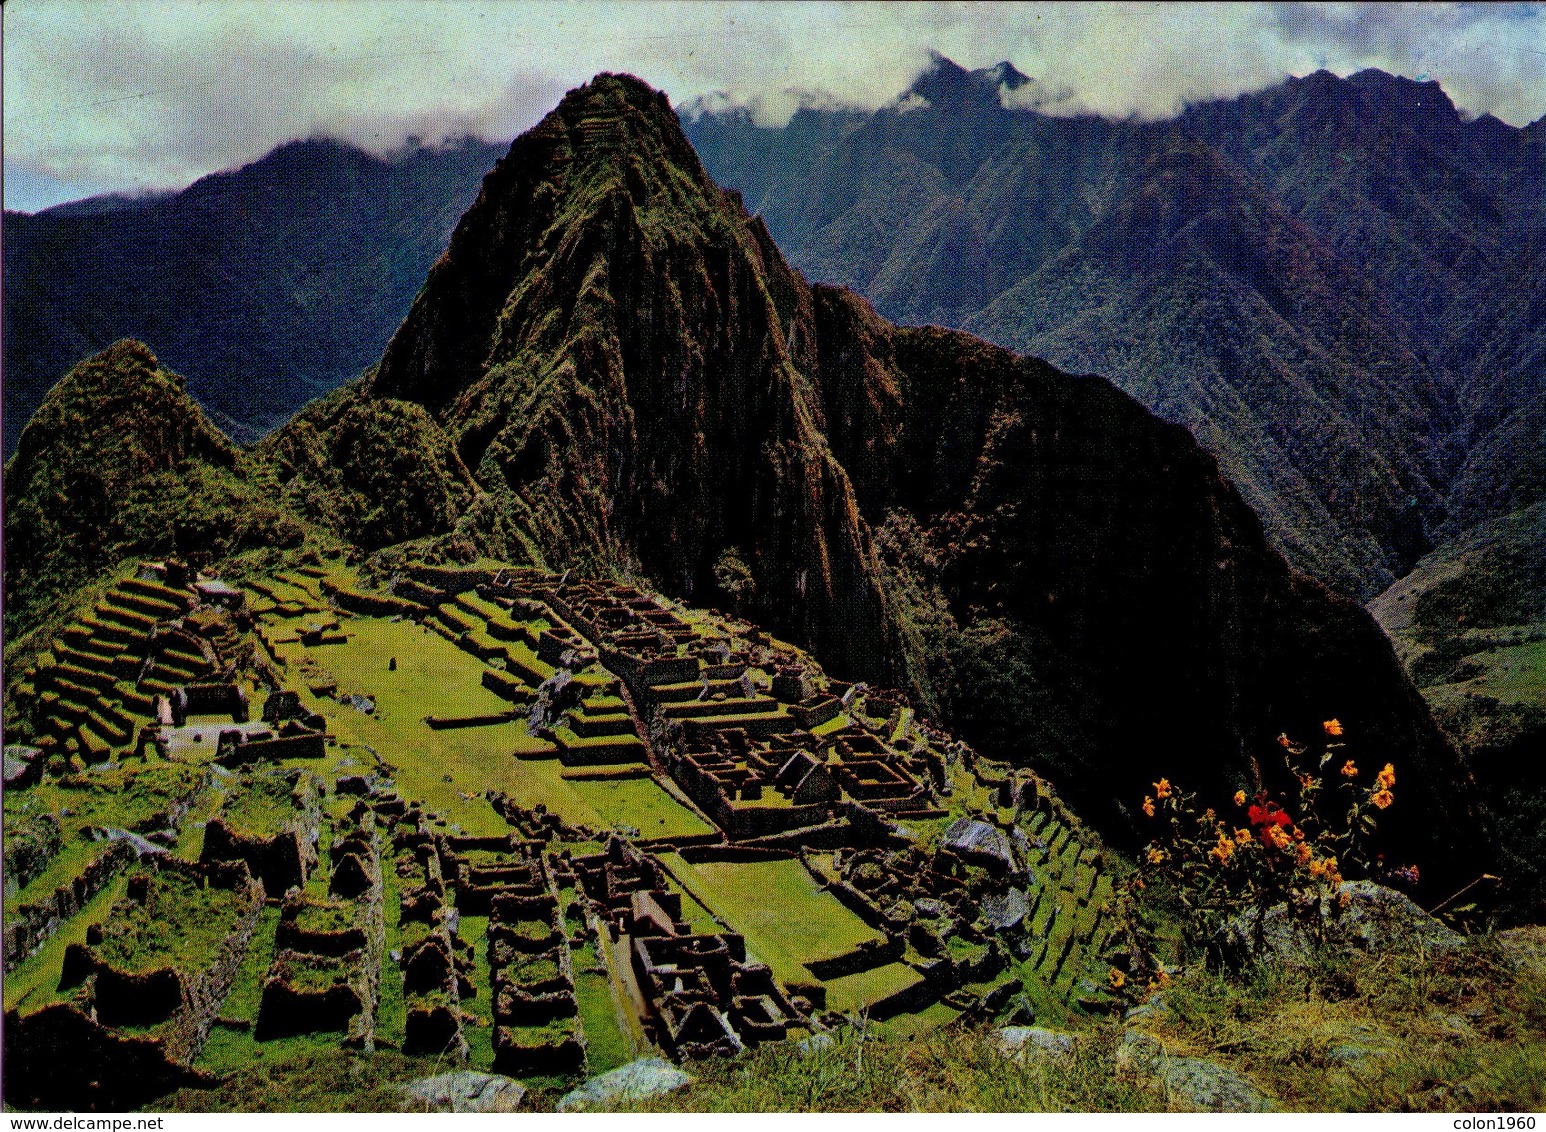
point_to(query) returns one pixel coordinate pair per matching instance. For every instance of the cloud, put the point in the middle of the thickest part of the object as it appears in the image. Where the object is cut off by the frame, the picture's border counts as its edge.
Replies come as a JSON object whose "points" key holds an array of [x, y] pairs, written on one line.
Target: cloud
{"points": [[137, 95]]}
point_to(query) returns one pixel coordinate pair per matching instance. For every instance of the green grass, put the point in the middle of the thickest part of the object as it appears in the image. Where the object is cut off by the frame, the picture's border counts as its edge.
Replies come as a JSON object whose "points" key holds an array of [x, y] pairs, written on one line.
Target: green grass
{"points": [[434, 677], [1514, 674], [786, 919], [641, 803], [925, 1021], [304, 1074], [179, 924], [942, 1072], [231, 1049], [34, 983], [439, 767], [478, 1012], [62, 868], [260, 802], [608, 1044], [331, 916], [1461, 1031], [849, 993]]}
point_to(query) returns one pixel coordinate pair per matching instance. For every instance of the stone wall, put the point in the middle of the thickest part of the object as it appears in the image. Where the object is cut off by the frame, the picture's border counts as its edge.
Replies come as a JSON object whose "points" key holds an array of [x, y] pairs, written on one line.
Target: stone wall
{"points": [[29, 926]]}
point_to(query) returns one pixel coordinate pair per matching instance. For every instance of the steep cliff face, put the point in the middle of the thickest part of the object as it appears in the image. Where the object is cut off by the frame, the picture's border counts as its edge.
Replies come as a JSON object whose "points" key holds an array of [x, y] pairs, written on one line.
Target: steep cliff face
{"points": [[622, 358], [635, 377], [1112, 609]]}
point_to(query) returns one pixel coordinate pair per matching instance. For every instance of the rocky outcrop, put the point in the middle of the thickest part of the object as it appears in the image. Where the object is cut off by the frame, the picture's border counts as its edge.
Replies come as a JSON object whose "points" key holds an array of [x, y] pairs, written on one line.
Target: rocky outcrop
{"points": [[624, 362], [1374, 919]]}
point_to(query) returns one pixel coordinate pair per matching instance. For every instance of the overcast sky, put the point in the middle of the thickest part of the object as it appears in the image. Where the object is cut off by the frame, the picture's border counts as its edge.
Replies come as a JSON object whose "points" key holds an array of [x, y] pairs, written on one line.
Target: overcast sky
{"points": [[133, 95]]}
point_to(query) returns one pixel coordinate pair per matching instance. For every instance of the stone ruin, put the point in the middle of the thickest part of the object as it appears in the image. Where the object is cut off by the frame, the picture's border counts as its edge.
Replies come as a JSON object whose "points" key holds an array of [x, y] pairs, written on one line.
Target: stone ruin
{"points": [[281, 859], [326, 970], [123, 1037], [704, 997]]}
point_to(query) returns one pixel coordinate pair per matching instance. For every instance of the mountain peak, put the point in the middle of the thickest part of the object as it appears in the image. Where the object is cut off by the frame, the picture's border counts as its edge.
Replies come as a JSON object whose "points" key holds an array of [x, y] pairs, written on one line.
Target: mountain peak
{"points": [[622, 358], [946, 83]]}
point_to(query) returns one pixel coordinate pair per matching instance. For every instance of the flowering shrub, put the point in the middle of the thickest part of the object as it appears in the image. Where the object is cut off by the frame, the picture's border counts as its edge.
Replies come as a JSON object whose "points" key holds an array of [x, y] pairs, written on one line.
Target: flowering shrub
{"points": [[1267, 851]]}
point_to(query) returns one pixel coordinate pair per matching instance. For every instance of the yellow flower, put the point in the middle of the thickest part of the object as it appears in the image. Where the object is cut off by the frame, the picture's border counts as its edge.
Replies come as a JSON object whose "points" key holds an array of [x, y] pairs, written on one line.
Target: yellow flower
{"points": [[1382, 799], [1156, 856], [1208, 814], [1387, 777], [1349, 769], [1224, 849], [1118, 979], [1162, 788], [1279, 836], [1148, 806], [1239, 797], [1333, 727], [1242, 837], [1317, 867], [1307, 781]]}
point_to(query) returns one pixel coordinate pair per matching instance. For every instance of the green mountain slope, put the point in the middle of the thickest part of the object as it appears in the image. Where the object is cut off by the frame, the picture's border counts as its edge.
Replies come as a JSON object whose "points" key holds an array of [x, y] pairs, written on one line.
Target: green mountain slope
{"points": [[117, 461]]}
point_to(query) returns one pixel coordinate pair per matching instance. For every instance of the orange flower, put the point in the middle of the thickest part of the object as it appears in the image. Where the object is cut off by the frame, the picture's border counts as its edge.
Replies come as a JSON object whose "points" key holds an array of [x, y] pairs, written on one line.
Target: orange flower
{"points": [[1162, 788], [1387, 777], [1284, 740], [1239, 797], [1307, 781], [1382, 799], [1208, 814], [1333, 727], [1118, 979], [1148, 806], [1317, 867], [1223, 850], [1304, 853], [1156, 856], [1349, 769], [1279, 836], [1242, 837]]}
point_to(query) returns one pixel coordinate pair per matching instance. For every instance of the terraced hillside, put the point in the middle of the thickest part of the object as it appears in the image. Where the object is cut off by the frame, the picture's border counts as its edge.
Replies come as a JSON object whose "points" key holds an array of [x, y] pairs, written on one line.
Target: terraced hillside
{"points": [[497, 817]]}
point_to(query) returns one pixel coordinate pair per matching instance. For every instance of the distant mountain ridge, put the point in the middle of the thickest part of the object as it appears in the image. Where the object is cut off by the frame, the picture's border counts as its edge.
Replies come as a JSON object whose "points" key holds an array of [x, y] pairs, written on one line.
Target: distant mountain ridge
{"points": [[1334, 283], [1321, 280], [267, 285]]}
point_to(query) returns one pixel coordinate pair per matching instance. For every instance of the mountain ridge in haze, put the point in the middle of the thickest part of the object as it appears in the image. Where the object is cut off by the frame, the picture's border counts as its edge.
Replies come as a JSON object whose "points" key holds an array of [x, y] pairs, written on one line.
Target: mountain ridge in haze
{"points": [[1415, 225], [267, 285]]}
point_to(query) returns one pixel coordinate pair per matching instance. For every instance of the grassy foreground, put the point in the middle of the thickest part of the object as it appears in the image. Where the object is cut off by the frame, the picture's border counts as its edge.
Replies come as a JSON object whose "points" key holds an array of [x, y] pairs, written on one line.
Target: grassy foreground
{"points": [[1368, 1033], [1394, 1032]]}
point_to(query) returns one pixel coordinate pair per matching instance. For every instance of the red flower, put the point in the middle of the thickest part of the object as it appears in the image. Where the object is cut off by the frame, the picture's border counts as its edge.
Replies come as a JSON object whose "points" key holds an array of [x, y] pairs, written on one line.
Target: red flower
{"points": [[1268, 815]]}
